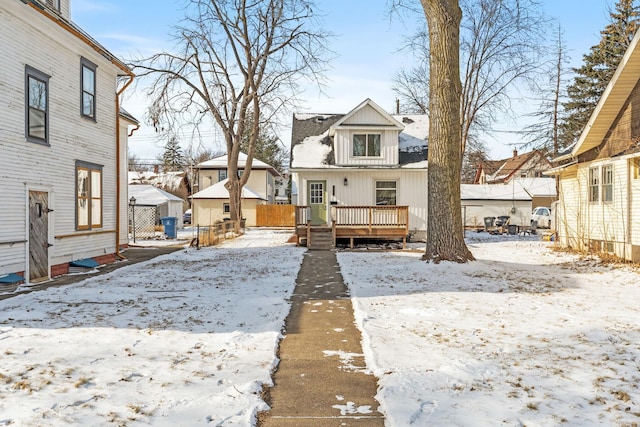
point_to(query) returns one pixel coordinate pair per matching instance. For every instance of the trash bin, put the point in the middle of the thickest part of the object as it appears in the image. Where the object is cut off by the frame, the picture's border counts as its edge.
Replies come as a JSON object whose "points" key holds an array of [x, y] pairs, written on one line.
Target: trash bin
{"points": [[488, 222], [513, 229], [169, 224]]}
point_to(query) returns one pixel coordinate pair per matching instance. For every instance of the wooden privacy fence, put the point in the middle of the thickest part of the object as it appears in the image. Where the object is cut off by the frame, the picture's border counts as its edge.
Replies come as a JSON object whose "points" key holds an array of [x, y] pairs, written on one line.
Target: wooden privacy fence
{"points": [[275, 215]]}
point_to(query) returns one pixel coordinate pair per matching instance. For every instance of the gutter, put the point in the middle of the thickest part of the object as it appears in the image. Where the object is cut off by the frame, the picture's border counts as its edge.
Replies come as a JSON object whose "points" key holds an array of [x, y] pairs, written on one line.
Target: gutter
{"points": [[118, 180]]}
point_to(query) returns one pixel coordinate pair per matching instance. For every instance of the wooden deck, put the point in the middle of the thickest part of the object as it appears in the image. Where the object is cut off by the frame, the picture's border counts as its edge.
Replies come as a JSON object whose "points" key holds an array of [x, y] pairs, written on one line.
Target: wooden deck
{"points": [[353, 222]]}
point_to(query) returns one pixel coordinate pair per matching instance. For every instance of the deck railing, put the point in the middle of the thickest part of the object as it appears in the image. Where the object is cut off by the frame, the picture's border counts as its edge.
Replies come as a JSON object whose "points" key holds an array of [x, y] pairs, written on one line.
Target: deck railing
{"points": [[371, 216], [303, 215]]}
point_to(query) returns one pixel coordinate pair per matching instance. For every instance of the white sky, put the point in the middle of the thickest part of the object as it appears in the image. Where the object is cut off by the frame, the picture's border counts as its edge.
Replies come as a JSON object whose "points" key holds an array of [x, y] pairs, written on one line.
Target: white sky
{"points": [[367, 43], [523, 336]]}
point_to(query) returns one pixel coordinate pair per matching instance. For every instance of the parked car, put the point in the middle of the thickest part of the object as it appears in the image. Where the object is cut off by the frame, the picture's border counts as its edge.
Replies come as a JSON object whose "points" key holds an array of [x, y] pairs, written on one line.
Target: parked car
{"points": [[186, 217], [542, 216]]}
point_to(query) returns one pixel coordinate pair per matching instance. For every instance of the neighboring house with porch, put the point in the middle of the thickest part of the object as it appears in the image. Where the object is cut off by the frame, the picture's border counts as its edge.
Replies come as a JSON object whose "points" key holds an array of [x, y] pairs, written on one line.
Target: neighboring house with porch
{"points": [[63, 142], [599, 177], [366, 168], [528, 165]]}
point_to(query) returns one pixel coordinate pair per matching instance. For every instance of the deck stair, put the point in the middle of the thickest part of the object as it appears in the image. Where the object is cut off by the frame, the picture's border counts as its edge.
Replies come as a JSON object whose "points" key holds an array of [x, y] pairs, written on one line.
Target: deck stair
{"points": [[320, 238]]}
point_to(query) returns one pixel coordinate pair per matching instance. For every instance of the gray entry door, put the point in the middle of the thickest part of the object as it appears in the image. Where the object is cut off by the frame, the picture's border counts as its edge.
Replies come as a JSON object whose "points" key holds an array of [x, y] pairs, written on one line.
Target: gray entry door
{"points": [[38, 236]]}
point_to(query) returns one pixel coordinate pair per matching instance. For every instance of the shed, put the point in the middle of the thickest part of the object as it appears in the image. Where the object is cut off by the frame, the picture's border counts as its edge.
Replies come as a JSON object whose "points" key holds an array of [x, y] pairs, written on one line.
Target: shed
{"points": [[166, 204], [212, 204]]}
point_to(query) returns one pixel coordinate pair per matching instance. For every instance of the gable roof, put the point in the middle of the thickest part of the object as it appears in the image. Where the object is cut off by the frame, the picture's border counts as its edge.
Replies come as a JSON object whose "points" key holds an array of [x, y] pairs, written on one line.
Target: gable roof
{"points": [[220, 162], [312, 137], [219, 191], [504, 170], [150, 195], [611, 102], [392, 122]]}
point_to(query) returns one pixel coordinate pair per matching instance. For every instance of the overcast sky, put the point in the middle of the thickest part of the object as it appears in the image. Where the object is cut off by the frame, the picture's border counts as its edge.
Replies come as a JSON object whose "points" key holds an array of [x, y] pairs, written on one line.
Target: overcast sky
{"points": [[366, 41]]}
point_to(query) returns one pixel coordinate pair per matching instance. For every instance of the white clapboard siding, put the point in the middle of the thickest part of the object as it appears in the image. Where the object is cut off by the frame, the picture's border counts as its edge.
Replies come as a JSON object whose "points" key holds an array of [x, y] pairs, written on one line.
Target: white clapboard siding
{"points": [[360, 189], [28, 38]]}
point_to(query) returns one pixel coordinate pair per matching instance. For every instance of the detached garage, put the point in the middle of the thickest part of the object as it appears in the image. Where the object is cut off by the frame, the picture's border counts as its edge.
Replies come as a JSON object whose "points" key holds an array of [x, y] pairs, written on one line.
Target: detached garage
{"points": [[485, 200]]}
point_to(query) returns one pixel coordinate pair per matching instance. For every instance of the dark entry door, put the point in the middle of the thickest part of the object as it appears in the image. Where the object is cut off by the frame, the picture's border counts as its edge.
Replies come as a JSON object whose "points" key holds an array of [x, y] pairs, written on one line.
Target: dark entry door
{"points": [[38, 236]]}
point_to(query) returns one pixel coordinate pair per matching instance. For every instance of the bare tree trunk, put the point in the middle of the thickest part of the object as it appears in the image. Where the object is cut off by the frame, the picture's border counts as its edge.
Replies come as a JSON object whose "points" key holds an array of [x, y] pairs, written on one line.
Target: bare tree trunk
{"points": [[445, 236]]}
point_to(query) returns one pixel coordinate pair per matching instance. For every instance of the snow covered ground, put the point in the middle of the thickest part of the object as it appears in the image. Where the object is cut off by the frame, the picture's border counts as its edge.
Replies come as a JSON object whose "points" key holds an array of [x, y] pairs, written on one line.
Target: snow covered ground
{"points": [[524, 336], [185, 339]]}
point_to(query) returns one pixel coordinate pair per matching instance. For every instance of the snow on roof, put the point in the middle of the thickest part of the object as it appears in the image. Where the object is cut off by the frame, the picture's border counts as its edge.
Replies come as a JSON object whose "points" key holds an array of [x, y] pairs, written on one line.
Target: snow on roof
{"points": [[415, 132], [311, 152], [221, 162], [541, 187], [510, 191], [417, 165], [168, 180], [307, 116], [150, 195], [219, 191]]}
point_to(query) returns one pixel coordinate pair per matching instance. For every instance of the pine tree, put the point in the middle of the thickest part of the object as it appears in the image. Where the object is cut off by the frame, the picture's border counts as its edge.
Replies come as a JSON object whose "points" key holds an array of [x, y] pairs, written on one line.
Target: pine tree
{"points": [[599, 66], [173, 159]]}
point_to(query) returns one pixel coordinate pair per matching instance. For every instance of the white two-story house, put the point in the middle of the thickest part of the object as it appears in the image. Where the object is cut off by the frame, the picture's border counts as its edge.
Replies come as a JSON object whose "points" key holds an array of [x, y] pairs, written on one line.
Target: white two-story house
{"points": [[63, 139], [365, 158]]}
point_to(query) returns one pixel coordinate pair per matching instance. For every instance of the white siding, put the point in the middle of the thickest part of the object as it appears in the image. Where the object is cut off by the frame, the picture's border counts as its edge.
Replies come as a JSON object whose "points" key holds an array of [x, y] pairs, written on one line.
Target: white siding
{"points": [[360, 190], [343, 143], [28, 38]]}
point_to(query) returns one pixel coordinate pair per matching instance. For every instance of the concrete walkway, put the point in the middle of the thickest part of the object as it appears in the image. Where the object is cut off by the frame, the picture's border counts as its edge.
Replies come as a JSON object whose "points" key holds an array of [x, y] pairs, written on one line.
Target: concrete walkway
{"points": [[320, 381]]}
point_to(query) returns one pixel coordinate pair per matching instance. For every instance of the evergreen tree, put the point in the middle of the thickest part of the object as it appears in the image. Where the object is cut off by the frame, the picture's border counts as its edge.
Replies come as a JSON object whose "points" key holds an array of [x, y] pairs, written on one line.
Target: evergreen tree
{"points": [[173, 159], [599, 66], [267, 147]]}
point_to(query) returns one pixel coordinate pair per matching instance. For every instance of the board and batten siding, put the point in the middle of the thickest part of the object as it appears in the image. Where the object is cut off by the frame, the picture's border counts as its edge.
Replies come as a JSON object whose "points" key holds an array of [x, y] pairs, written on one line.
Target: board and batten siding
{"points": [[360, 190], [388, 148], [48, 48]]}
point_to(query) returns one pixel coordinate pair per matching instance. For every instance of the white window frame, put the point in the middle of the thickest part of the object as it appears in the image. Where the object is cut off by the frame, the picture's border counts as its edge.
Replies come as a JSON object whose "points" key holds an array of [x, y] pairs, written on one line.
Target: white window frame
{"points": [[607, 183]]}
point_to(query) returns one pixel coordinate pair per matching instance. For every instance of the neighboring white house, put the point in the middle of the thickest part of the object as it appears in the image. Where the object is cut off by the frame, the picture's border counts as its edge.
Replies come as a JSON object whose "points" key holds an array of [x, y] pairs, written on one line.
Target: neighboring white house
{"points": [[64, 145], [599, 180], [261, 180], [163, 203], [176, 183], [211, 205], [366, 157]]}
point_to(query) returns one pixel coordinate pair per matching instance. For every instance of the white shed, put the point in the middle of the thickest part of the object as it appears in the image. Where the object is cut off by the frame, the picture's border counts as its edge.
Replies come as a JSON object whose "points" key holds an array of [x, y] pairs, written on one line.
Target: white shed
{"points": [[167, 205]]}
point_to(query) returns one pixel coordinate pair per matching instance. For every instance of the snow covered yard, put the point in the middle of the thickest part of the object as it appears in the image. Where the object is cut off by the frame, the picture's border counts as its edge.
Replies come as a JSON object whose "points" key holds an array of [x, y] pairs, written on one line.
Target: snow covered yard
{"points": [[523, 337], [182, 340]]}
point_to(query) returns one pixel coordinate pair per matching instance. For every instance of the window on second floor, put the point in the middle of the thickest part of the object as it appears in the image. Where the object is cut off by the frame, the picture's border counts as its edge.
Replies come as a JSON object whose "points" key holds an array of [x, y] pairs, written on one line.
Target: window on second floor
{"points": [[594, 185], [54, 4], [88, 92], [37, 106], [366, 145]]}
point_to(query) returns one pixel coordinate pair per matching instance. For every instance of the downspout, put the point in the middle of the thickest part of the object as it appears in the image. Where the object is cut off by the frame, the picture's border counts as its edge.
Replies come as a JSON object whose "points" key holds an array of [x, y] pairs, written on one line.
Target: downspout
{"points": [[118, 180]]}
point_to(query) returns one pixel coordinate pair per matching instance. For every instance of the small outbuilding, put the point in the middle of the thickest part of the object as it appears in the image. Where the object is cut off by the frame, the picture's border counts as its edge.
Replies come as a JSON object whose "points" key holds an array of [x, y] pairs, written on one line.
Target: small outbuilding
{"points": [[164, 203], [211, 205]]}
